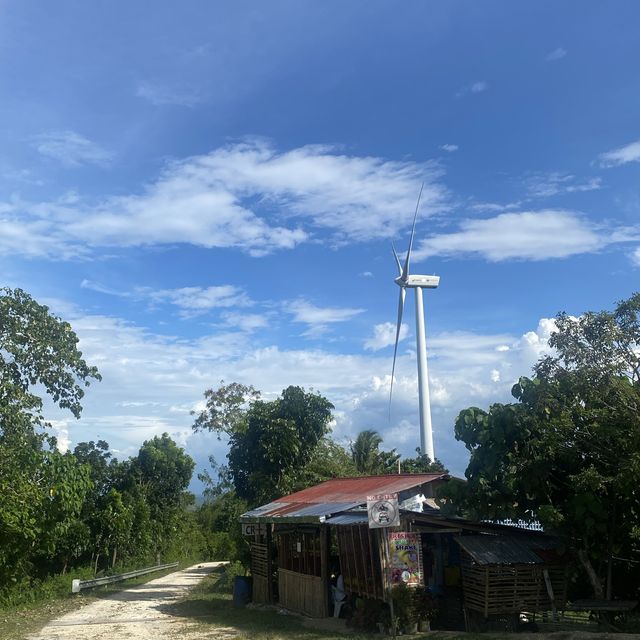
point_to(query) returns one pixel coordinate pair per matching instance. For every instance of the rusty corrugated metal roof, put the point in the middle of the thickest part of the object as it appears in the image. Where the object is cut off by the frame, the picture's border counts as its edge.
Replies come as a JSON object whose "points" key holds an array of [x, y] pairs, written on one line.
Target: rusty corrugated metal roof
{"points": [[335, 496]]}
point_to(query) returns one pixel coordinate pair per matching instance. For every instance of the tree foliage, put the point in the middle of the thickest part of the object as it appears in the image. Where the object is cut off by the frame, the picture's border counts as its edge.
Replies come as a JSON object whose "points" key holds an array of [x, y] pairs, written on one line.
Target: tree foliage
{"points": [[367, 456], [568, 452], [270, 442], [61, 510], [39, 348]]}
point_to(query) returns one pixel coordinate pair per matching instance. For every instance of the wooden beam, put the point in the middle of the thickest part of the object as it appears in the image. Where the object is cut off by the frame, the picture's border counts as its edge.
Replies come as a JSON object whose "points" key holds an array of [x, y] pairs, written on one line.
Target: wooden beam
{"points": [[324, 568]]}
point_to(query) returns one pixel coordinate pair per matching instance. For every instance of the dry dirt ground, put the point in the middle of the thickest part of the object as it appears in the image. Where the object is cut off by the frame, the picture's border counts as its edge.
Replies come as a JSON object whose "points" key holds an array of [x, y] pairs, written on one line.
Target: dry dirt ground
{"points": [[139, 613]]}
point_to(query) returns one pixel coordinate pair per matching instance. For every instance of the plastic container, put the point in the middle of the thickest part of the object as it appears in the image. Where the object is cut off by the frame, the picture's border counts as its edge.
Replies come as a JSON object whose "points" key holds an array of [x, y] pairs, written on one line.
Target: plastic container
{"points": [[241, 590]]}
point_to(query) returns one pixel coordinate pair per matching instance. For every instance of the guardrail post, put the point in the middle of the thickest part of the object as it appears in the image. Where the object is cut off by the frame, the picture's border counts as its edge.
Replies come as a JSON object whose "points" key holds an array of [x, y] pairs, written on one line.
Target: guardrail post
{"points": [[75, 586]]}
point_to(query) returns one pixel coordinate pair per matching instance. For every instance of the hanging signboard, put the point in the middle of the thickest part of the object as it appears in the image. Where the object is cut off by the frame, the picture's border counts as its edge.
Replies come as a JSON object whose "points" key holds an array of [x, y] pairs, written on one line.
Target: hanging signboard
{"points": [[383, 511], [405, 559], [253, 529]]}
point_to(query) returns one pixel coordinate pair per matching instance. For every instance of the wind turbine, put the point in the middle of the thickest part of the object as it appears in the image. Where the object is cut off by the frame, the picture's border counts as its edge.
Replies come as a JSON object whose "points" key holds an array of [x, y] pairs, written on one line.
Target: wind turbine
{"points": [[418, 283]]}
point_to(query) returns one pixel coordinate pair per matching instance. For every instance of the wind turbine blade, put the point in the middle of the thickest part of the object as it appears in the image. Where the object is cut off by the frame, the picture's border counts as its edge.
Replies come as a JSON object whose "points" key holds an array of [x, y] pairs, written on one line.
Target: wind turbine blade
{"points": [[395, 348], [397, 259], [405, 271]]}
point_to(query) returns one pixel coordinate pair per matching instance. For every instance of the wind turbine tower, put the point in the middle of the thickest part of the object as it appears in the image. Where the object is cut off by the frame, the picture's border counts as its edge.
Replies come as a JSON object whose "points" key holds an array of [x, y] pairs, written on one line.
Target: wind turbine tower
{"points": [[417, 283]]}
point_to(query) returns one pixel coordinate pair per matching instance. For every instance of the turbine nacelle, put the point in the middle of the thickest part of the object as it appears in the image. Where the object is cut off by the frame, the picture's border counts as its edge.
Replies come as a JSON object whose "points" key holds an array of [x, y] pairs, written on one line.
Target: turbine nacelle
{"points": [[414, 281]]}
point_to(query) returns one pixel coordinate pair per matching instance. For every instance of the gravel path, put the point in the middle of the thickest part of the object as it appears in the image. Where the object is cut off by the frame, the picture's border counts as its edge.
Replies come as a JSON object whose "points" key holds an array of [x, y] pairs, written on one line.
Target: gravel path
{"points": [[138, 613]]}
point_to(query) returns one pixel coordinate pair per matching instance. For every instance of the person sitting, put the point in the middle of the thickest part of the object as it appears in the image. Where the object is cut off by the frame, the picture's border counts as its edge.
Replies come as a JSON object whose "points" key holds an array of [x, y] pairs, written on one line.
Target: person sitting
{"points": [[339, 595]]}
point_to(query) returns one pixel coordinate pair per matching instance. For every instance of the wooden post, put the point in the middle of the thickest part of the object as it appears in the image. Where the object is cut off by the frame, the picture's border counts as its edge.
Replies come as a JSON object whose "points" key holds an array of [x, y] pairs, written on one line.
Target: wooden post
{"points": [[486, 592], [547, 582], [387, 583], [269, 541], [325, 573]]}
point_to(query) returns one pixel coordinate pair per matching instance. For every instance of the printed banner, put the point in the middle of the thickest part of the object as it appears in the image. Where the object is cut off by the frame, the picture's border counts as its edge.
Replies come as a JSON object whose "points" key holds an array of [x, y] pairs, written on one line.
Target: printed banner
{"points": [[405, 561]]}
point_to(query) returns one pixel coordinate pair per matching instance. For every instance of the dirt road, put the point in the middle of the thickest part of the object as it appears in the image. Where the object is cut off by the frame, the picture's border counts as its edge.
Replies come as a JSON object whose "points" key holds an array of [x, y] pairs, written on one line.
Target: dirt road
{"points": [[138, 613]]}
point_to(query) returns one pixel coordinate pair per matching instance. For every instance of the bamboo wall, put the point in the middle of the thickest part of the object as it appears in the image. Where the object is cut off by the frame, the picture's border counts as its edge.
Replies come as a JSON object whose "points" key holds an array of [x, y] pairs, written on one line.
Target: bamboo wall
{"points": [[501, 589], [309, 559], [260, 572], [302, 593], [359, 550], [260, 590]]}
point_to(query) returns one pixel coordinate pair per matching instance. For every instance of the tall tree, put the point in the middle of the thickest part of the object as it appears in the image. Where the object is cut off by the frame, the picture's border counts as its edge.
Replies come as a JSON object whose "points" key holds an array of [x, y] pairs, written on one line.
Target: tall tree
{"points": [[367, 456], [422, 464], [269, 442], [163, 470], [37, 347], [568, 452], [42, 490]]}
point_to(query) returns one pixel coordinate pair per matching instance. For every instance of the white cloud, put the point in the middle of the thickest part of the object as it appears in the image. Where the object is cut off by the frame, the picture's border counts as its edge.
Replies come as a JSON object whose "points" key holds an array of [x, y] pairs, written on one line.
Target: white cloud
{"points": [[246, 321], [100, 288], [494, 207], [621, 155], [474, 87], [71, 149], [543, 185], [635, 257], [318, 318], [450, 148], [366, 274], [160, 95], [60, 429], [151, 381], [556, 54], [196, 300], [529, 235], [245, 196], [384, 335], [191, 301]]}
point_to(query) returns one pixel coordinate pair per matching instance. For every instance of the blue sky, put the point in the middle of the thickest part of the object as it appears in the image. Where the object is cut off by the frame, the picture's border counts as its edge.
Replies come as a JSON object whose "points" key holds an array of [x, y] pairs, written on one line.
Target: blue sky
{"points": [[209, 191]]}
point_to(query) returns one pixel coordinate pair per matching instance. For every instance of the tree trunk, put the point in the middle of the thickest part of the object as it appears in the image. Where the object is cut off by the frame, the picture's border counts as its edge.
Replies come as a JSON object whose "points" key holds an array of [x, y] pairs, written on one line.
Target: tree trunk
{"points": [[114, 556], [95, 569], [593, 578]]}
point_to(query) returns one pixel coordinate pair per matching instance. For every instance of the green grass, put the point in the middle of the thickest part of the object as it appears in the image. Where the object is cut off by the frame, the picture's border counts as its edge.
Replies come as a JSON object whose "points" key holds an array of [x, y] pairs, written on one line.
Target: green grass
{"points": [[210, 611], [53, 598]]}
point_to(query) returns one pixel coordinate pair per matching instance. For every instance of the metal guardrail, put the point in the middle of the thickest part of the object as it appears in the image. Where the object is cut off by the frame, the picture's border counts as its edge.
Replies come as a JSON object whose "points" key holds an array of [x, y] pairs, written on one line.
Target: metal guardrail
{"points": [[78, 585]]}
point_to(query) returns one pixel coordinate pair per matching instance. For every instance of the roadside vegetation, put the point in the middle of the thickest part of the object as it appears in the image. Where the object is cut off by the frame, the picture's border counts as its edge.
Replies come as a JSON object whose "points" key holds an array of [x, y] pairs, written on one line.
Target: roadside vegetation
{"points": [[566, 453]]}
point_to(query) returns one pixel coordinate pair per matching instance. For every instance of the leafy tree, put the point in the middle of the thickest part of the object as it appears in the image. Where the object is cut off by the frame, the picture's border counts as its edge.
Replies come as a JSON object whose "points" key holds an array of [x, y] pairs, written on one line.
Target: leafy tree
{"points": [[218, 516], [367, 456], [42, 490], [161, 473], [226, 408], [269, 442], [328, 460], [568, 452], [422, 464], [39, 348]]}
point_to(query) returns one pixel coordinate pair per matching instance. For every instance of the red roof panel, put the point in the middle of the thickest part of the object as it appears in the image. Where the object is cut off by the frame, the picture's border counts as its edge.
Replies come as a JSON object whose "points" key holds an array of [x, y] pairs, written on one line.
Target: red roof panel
{"points": [[357, 489]]}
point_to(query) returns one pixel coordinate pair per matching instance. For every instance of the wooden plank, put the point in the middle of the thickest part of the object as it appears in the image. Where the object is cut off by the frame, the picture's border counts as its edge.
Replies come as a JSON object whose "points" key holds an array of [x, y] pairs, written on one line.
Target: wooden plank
{"points": [[269, 567], [302, 593], [358, 588], [324, 568]]}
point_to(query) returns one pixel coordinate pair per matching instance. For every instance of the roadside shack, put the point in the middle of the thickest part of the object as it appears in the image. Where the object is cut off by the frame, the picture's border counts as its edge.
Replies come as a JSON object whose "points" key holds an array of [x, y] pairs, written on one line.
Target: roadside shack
{"points": [[299, 541]]}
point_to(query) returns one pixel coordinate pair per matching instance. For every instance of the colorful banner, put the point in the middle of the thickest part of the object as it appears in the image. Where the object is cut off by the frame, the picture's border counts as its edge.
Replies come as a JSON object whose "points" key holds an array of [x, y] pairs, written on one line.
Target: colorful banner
{"points": [[405, 559]]}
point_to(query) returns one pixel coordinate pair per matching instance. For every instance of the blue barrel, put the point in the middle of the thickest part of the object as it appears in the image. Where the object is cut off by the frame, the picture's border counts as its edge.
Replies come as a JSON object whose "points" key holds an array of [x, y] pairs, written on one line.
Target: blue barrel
{"points": [[241, 590]]}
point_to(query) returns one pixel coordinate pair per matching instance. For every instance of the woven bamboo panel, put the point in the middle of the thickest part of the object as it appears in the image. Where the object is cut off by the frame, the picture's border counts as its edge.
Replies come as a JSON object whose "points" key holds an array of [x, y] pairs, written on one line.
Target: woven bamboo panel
{"points": [[259, 559], [360, 561], [302, 593], [503, 589]]}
